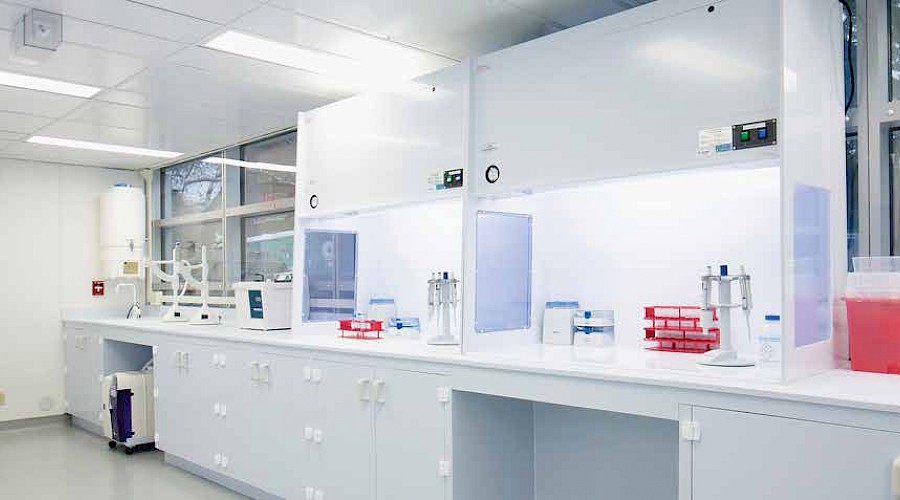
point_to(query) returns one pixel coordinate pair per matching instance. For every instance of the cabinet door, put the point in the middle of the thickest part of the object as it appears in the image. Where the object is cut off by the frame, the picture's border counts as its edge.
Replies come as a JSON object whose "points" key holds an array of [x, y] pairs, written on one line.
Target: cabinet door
{"points": [[266, 403], [742, 456], [411, 425], [83, 371], [342, 424], [185, 405]]}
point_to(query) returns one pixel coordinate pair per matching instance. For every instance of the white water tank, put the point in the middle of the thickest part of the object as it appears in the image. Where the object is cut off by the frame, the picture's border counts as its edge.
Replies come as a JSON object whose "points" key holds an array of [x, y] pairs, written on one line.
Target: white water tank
{"points": [[122, 231]]}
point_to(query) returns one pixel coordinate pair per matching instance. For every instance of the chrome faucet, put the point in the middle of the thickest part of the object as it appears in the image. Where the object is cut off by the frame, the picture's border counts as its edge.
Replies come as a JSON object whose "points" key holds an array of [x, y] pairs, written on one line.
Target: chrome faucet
{"points": [[135, 307]]}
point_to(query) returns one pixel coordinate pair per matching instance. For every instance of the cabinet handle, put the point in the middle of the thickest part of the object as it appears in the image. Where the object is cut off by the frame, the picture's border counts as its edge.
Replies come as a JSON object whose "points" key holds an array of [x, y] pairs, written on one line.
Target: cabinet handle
{"points": [[308, 433], [186, 358], [221, 360], [316, 375], [254, 371], [217, 459], [320, 495], [215, 359], [310, 493], [362, 389], [224, 461], [178, 361], [379, 391], [217, 409], [266, 373], [307, 373], [224, 411], [317, 436]]}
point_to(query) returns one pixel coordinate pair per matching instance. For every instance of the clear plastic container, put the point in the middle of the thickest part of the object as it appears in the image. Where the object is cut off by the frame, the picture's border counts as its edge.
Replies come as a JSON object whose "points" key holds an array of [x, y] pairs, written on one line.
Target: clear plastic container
{"points": [[770, 340]]}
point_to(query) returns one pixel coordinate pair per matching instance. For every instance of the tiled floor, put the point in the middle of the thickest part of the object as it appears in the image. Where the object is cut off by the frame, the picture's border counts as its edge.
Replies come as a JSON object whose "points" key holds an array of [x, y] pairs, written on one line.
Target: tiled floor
{"points": [[57, 461]]}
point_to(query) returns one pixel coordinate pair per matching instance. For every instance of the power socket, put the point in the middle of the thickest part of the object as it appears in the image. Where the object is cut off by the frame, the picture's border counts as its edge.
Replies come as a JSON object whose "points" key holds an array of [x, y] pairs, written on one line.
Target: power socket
{"points": [[2, 398]]}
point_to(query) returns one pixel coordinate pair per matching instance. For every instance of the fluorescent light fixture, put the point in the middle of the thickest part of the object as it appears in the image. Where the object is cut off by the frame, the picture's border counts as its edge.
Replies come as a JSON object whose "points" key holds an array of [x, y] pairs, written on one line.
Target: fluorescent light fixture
{"points": [[218, 160], [96, 146], [284, 54], [47, 85], [380, 74]]}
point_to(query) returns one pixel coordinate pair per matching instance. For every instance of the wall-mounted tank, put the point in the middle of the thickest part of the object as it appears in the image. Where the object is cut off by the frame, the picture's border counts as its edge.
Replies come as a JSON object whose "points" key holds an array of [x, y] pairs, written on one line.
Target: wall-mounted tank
{"points": [[122, 231]]}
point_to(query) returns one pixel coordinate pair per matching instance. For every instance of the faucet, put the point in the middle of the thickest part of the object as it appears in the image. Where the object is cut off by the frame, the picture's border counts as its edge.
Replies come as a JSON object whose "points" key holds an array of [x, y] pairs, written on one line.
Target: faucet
{"points": [[135, 307]]}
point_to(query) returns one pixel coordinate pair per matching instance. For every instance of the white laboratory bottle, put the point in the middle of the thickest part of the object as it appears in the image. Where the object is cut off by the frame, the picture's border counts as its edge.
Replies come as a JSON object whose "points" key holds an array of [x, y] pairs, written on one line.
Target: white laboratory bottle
{"points": [[770, 340]]}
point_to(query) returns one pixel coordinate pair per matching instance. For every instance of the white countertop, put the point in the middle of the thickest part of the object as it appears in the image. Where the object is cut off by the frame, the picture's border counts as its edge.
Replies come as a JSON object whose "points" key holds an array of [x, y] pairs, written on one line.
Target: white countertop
{"points": [[868, 391]]}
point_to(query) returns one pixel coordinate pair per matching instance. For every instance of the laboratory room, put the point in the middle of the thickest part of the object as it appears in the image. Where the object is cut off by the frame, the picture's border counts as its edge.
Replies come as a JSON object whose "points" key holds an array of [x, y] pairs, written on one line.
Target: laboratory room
{"points": [[450, 250]]}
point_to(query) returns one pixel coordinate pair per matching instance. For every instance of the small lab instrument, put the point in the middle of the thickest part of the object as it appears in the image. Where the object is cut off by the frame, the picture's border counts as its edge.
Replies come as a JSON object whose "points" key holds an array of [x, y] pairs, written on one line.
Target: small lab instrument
{"points": [[595, 328], [175, 312], [263, 305], [443, 303], [382, 309], [725, 355], [362, 329], [135, 308], [677, 329], [558, 316], [770, 340], [407, 327], [128, 416], [203, 316]]}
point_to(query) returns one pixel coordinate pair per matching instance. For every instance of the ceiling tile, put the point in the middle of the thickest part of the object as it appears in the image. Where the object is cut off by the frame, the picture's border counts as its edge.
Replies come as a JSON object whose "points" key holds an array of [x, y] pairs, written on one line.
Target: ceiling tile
{"points": [[458, 29], [574, 12], [125, 97], [279, 25], [11, 136], [20, 123], [37, 103], [131, 16], [75, 63], [55, 154], [231, 70], [118, 40], [218, 11], [112, 115]]}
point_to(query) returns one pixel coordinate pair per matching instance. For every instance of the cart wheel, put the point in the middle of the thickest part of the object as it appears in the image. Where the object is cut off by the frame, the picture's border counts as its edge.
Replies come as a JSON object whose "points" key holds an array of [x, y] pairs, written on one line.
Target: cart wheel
{"points": [[129, 450], [112, 444]]}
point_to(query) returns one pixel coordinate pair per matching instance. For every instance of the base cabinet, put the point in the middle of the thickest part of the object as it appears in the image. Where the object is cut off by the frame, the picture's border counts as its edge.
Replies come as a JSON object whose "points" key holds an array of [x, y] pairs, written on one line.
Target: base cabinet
{"points": [[744, 456], [84, 369]]}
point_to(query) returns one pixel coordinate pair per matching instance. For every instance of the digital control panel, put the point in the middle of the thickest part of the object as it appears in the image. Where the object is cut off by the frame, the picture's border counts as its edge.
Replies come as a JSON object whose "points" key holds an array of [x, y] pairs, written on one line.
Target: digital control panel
{"points": [[754, 135], [453, 178]]}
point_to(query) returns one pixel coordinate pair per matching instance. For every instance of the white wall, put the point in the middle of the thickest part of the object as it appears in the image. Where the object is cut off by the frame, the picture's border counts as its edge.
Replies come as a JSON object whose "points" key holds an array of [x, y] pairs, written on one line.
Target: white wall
{"points": [[48, 257]]}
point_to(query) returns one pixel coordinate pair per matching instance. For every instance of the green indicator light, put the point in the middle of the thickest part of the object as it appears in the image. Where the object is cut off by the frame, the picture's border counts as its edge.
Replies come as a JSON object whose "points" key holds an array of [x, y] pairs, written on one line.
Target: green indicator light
{"points": [[745, 136]]}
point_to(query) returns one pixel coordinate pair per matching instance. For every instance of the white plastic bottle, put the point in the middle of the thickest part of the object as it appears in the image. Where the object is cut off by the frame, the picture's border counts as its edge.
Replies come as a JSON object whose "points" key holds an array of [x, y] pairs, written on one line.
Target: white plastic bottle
{"points": [[770, 340]]}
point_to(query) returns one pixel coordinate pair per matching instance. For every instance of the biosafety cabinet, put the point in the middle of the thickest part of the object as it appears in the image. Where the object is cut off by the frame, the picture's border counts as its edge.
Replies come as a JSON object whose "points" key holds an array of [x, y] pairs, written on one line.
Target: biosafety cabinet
{"points": [[650, 144]]}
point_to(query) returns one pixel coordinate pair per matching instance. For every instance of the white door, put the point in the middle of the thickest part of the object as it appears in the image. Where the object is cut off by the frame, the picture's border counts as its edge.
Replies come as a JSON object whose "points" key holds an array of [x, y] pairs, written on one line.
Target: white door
{"points": [[341, 444], [411, 426], [743, 456], [265, 419], [185, 405]]}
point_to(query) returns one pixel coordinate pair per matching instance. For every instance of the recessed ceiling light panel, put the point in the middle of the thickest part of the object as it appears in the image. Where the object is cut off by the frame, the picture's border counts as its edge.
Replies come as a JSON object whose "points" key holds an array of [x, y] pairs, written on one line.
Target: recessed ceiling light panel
{"points": [[96, 146]]}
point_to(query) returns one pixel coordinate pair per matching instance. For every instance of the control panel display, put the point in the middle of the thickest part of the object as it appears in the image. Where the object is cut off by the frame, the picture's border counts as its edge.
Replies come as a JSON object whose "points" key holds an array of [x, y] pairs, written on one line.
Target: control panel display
{"points": [[754, 135], [453, 178]]}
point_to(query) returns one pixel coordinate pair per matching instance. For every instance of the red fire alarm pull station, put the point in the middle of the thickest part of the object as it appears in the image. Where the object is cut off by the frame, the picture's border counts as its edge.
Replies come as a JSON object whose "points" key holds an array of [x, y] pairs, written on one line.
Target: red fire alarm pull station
{"points": [[97, 288]]}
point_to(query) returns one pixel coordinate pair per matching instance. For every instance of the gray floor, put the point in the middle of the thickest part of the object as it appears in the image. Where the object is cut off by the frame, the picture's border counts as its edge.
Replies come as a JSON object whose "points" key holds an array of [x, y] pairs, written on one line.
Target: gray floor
{"points": [[59, 461]]}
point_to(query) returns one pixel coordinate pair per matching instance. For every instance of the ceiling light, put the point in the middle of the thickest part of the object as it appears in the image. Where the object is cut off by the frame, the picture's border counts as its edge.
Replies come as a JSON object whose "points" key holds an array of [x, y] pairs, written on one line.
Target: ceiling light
{"points": [[372, 74], [96, 146], [218, 160], [47, 85]]}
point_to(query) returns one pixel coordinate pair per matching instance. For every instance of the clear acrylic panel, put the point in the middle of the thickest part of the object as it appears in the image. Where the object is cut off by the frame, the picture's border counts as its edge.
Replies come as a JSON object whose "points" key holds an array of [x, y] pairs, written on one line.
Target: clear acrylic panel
{"points": [[330, 275], [502, 271], [852, 198]]}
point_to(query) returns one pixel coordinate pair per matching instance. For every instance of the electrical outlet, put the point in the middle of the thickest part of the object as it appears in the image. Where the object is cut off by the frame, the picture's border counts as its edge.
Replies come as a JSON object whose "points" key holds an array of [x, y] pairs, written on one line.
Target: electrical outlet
{"points": [[2, 398]]}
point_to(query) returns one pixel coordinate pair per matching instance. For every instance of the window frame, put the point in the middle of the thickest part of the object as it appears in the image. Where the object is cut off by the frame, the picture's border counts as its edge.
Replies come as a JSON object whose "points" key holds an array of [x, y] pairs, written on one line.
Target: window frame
{"points": [[231, 217]]}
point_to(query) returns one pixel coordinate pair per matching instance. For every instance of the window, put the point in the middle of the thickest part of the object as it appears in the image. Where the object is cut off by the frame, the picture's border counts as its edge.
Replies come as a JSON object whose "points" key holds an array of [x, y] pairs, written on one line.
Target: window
{"points": [[242, 214]]}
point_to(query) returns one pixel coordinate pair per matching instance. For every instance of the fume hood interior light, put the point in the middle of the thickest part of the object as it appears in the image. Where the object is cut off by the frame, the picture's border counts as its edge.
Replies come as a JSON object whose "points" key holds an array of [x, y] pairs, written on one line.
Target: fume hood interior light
{"points": [[218, 160], [29, 82], [97, 146]]}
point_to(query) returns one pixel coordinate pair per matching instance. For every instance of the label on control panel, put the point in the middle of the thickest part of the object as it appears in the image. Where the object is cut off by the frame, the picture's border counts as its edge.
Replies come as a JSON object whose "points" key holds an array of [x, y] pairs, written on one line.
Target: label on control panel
{"points": [[713, 141]]}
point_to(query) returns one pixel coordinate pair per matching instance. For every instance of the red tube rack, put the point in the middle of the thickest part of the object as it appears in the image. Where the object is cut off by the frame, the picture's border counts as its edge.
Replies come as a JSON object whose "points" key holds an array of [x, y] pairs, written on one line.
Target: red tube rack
{"points": [[677, 329], [360, 329]]}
